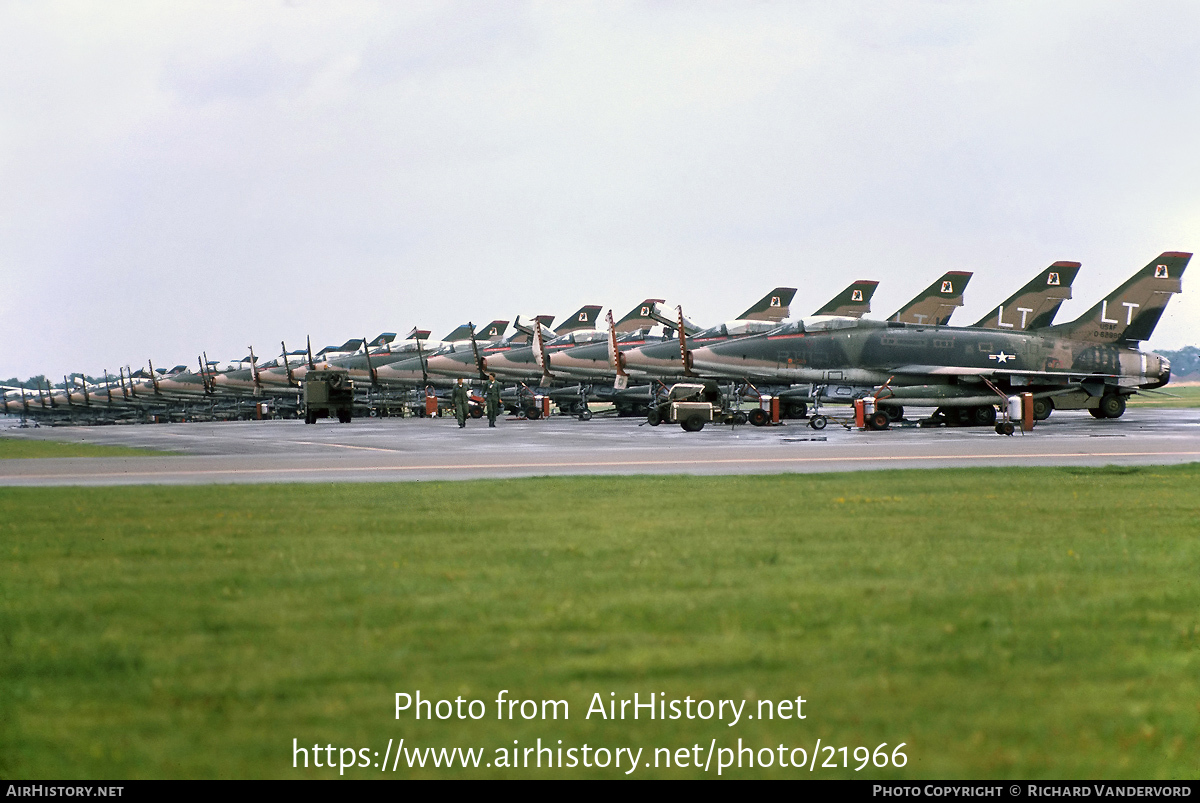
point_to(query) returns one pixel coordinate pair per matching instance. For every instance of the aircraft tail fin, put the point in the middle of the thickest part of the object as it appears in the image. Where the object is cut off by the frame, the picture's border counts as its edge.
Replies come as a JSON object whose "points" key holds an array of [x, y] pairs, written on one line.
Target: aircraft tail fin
{"points": [[384, 339], [937, 302], [774, 306], [1130, 313], [584, 318], [463, 332], [642, 316], [492, 331], [853, 302], [1034, 305]]}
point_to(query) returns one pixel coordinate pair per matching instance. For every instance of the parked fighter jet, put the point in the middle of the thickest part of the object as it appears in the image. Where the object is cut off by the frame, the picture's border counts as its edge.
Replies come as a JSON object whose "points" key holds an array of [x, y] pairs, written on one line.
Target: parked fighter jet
{"points": [[1091, 362], [591, 360], [671, 359], [414, 370], [525, 363], [364, 367]]}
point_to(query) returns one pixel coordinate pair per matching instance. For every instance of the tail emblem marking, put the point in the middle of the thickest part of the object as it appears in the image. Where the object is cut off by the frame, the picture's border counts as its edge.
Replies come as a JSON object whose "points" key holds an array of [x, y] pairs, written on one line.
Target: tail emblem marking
{"points": [[856, 295], [1052, 279], [775, 301], [1160, 272], [947, 287]]}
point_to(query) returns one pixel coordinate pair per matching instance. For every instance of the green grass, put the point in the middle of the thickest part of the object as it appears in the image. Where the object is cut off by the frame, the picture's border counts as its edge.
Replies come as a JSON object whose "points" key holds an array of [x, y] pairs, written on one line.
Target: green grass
{"points": [[22, 448], [1039, 623], [1181, 396]]}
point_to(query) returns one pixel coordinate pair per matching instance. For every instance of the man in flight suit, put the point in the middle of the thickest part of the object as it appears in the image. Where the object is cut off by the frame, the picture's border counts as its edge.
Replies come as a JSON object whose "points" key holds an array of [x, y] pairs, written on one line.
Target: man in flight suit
{"points": [[460, 403], [492, 395]]}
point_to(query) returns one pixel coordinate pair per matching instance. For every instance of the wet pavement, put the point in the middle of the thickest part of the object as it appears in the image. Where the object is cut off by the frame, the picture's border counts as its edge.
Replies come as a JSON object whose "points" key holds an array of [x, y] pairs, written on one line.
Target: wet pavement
{"points": [[394, 449]]}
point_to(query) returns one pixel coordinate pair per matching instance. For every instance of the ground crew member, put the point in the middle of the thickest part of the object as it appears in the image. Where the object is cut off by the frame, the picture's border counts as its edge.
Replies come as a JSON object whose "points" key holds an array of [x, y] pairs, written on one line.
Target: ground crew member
{"points": [[492, 395], [460, 403]]}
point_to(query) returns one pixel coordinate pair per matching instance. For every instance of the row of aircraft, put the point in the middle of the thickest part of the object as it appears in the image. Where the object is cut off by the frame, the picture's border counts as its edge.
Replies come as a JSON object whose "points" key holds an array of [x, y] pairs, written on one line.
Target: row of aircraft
{"points": [[912, 358]]}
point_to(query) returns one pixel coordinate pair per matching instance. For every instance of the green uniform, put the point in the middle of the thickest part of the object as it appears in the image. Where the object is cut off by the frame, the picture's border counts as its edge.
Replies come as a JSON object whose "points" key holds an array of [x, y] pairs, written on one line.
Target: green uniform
{"points": [[460, 405], [492, 395]]}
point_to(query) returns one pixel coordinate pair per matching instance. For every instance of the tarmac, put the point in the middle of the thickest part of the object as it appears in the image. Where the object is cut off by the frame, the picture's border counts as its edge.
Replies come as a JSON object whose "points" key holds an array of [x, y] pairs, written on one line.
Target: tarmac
{"points": [[414, 449]]}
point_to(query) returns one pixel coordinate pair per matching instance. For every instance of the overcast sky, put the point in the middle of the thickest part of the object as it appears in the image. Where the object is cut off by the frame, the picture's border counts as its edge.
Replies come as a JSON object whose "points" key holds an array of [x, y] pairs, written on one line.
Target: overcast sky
{"points": [[178, 177]]}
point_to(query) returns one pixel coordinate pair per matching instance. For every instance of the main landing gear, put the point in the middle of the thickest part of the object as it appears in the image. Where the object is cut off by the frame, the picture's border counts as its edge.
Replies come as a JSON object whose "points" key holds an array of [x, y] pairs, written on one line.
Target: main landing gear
{"points": [[1112, 405]]}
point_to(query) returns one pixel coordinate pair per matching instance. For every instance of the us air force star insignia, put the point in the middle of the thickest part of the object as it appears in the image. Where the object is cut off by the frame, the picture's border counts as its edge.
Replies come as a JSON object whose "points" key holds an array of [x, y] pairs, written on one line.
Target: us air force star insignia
{"points": [[1001, 358]]}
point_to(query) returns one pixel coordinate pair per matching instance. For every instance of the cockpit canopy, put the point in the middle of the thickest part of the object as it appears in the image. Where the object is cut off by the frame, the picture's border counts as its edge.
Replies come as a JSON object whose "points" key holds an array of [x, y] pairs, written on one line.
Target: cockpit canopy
{"points": [[736, 328], [818, 323], [579, 337]]}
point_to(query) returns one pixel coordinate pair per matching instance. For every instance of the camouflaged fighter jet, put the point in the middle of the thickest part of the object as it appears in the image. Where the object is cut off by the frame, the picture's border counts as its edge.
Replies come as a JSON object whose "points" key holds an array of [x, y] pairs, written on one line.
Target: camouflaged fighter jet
{"points": [[670, 358], [593, 361], [364, 367], [410, 369], [1092, 362], [663, 359], [526, 362], [469, 360], [417, 371]]}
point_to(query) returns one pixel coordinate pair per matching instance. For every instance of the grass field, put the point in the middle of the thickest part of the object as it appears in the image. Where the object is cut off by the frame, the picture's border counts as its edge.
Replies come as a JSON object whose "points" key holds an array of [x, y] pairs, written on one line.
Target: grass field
{"points": [[22, 448], [1040, 623]]}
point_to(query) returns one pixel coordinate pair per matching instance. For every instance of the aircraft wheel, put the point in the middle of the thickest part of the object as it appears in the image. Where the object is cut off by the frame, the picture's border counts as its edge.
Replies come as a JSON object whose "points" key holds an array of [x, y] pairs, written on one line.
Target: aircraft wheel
{"points": [[653, 419], [878, 421], [693, 424], [758, 417], [818, 422], [1112, 405], [585, 415], [984, 416], [738, 418], [894, 413], [797, 410], [1005, 428], [1042, 409]]}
